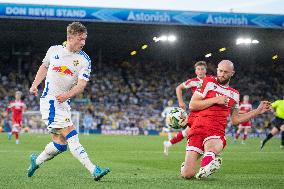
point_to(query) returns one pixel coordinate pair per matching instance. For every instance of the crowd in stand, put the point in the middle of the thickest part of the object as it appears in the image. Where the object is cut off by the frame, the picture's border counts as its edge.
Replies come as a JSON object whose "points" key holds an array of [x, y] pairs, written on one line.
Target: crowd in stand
{"points": [[124, 95]]}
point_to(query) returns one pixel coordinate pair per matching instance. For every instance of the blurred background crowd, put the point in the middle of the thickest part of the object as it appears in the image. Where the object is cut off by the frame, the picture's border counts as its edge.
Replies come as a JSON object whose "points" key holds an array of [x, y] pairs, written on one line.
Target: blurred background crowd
{"points": [[125, 95]]}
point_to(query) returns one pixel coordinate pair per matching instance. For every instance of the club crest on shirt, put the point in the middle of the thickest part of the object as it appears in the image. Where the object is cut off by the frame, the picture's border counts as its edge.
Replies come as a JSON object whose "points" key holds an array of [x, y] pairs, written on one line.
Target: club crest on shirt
{"points": [[199, 85], [75, 62]]}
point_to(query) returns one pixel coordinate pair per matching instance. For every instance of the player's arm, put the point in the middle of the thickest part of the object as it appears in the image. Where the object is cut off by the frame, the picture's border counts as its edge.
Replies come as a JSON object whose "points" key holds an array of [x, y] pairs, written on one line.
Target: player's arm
{"points": [[197, 102], [179, 90], [10, 105], [237, 118], [242, 111], [8, 109], [40, 75], [77, 89], [42, 72]]}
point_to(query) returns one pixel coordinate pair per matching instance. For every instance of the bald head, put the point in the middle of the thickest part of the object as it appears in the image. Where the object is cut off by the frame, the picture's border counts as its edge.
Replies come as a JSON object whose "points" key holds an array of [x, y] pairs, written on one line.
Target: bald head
{"points": [[227, 63], [225, 71]]}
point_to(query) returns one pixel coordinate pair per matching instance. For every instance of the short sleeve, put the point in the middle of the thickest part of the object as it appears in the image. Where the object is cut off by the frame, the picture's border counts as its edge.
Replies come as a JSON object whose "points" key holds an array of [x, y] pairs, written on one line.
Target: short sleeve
{"points": [[187, 84], [85, 71], [237, 104], [46, 60], [206, 86]]}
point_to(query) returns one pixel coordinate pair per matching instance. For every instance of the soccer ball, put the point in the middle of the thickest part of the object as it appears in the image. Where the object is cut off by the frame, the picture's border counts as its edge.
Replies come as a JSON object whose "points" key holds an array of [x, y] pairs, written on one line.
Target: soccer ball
{"points": [[176, 118]]}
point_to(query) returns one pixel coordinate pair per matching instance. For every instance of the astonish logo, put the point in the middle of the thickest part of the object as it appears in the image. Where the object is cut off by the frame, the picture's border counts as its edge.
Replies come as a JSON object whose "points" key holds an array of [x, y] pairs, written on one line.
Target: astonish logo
{"points": [[144, 17], [228, 20]]}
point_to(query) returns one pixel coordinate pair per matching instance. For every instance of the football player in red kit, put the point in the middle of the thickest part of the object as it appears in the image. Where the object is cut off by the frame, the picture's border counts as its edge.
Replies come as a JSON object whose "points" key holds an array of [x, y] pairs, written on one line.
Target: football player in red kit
{"points": [[17, 107], [213, 102], [245, 107]]}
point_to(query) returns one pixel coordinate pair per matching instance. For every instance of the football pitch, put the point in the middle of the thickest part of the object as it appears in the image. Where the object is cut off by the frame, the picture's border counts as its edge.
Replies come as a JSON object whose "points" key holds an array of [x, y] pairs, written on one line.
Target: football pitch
{"points": [[138, 162]]}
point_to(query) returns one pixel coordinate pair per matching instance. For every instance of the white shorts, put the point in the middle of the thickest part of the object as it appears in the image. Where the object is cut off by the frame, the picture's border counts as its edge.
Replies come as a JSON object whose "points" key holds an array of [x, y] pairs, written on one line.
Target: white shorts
{"points": [[55, 115], [16, 128]]}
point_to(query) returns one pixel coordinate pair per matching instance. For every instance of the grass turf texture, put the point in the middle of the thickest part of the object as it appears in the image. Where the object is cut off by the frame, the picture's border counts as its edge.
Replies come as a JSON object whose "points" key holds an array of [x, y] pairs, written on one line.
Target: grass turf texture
{"points": [[138, 162]]}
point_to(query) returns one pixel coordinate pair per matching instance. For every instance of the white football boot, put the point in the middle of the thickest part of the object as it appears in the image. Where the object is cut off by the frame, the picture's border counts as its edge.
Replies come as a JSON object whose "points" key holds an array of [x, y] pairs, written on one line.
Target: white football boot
{"points": [[209, 169]]}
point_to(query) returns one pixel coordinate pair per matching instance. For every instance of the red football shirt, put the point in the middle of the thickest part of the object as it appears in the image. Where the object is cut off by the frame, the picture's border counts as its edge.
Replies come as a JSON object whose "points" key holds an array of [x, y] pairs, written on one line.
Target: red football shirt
{"points": [[214, 118]]}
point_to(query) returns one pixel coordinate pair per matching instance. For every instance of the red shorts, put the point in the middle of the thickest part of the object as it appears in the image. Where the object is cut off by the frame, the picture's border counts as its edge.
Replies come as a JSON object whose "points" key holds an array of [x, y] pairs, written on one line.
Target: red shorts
{"points": [[245, 124], [17, 122], [190, 119], [196, 142]]}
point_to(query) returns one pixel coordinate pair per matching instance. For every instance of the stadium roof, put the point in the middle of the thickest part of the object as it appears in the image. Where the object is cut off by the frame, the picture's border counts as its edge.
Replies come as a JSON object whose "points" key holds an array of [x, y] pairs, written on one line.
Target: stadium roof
{"points": [[116, 41]]}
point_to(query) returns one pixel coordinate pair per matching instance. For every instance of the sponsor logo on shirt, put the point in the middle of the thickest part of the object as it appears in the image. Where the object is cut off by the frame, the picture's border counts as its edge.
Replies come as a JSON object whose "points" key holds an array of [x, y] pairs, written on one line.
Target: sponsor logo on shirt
{"points": [[63, 70]]}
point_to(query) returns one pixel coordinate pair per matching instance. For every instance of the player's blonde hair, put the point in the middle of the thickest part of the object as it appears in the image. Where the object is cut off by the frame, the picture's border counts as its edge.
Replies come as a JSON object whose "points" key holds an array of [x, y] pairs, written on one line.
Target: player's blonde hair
{"points": [[76, 28], [200, 63]]}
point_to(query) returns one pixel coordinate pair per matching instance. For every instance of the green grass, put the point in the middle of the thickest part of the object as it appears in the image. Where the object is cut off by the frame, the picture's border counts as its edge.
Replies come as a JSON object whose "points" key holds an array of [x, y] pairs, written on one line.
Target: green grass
{"points": [[138, 162]]}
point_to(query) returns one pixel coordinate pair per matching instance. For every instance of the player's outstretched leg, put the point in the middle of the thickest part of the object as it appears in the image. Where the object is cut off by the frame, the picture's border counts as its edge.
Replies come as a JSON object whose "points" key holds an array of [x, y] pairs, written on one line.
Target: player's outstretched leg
{"points": [[33, 167], [237, 134], [100, 172], [51, 150], [16, 133], [177, 138], [244, 137], [268, 137], [79, 153], [167, 145]]}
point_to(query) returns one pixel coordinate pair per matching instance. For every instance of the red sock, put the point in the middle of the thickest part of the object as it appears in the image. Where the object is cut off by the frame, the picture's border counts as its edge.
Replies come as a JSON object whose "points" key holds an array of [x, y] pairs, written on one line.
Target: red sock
{"points": [[245, 136], [179, 136], [16, 135], [207, 158], [237, 135]]}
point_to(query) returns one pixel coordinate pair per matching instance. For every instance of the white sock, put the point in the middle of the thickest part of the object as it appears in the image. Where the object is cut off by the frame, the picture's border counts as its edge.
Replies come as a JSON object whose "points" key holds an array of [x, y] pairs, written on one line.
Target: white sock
{"points": [[184, 133], [79, 152], [48, 153], [170, 136], [168, 144]]}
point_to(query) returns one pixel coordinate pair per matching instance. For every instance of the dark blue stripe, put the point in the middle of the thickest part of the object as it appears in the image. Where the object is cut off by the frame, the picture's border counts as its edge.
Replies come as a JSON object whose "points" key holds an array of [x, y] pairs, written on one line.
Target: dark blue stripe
{"points": [[85, 55], [45, 90], [51, 112], [86, 76], [72, 133], [69, 102], [60, 147]]}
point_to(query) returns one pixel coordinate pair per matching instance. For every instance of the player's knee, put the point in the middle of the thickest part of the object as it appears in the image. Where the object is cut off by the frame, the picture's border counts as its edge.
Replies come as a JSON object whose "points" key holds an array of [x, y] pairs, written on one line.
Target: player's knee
{"points": [[59, 139], [60, 147], [187, 174], [62, 140]]}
